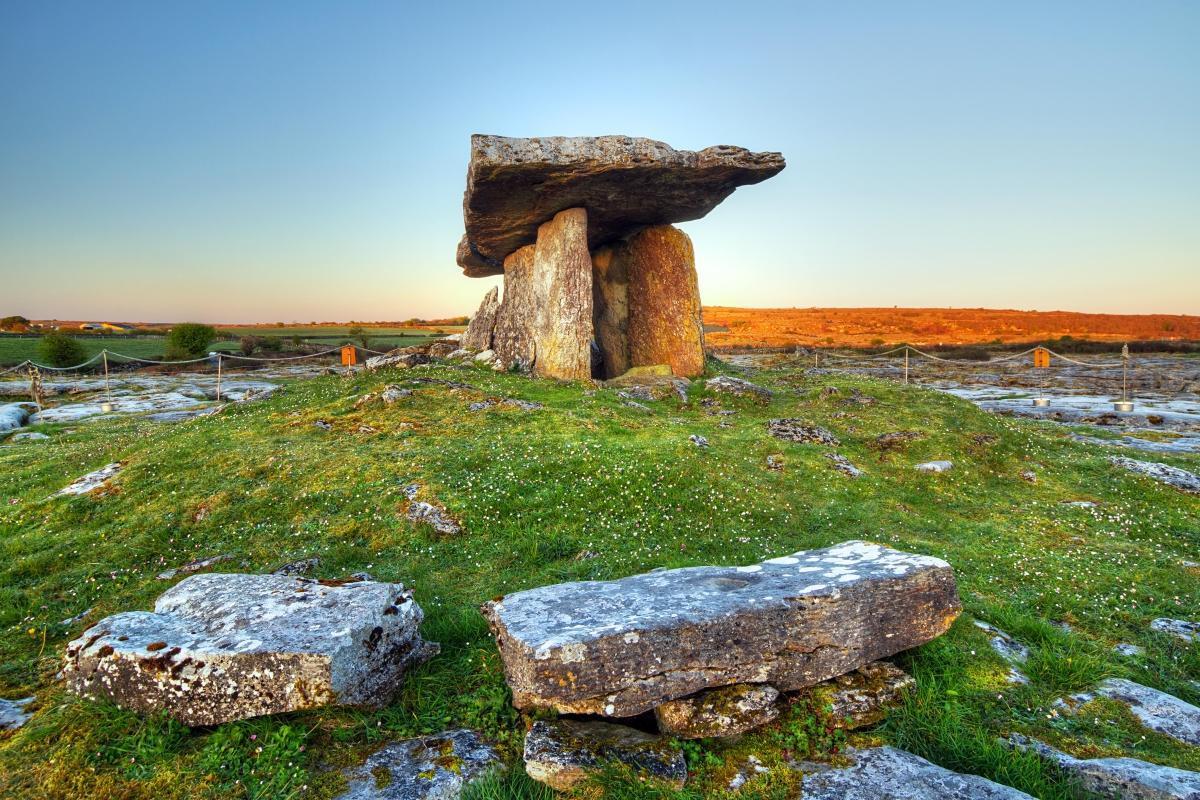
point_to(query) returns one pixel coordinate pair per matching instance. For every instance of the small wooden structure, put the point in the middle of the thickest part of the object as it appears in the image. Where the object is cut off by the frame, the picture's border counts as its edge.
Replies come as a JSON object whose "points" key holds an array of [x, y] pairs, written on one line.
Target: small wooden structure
{"points": [[349, 355], [1041, 358]]}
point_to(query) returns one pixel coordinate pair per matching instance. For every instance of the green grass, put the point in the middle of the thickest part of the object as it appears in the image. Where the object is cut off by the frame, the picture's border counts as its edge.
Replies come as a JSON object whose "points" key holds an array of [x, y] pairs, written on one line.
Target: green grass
{"points": [[14, 350], [534, 490]]}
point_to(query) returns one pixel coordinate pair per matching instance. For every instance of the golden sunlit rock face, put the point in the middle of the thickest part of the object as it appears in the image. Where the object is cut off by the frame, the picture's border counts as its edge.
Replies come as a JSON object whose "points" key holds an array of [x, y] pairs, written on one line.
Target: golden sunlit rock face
{"points": [[664, 301], [562, 278]]}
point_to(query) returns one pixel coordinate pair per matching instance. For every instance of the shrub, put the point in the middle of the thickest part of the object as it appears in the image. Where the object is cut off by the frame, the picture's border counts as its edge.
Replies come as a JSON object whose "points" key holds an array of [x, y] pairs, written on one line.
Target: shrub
{"points": [[360, 333], [271, 344], [248, 344], [189, 340], [60, 350]]}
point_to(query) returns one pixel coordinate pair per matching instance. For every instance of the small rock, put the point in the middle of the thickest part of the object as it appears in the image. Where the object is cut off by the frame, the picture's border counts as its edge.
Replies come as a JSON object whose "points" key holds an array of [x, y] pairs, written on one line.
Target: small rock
{"points": [[402, 358], [752, 767], [726, 384], [13, 714], [430, 768], [844, 465], [481, 405], [896, 440], [1006, 646], [69, 621], [524, 405], [435, 516], [92, 481], [1029, 476], [1179, 628], [1078, 503], [393, 393], [775, 461], [323, 425], [794, 430], [1117, 778], [935, 467], [458, 354], [301, 567], [442, 349], [885, 773], [862, 697], [486, 355], [1156, 710], [635, 404], [219, 648], [194, 566], [366, 399], [698, 440], [638, 392], [727, 711], [564, 752], [412, 490], [28, 436], [1174, 477], [1129, 650]]}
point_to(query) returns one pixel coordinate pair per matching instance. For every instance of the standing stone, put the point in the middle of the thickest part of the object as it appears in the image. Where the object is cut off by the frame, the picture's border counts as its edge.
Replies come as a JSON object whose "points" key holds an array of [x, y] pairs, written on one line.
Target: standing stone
{"points": [[478, 335], [610, 299], [623, 647], [562, 275], [517, 317], [664, 301]]}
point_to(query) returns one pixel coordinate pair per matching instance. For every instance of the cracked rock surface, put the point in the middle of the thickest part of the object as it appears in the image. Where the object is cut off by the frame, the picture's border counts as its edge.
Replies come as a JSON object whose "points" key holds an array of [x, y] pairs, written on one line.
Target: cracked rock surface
{"points": [[1117, 778], [1158, 711], [619, 648], [563, 752], [220, 647], [885, 773], [429, 768]]}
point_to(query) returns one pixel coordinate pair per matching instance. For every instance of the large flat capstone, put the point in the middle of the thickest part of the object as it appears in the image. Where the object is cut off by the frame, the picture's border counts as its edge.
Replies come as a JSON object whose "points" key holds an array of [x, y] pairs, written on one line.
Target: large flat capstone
{"points": [[625, 182], [620, 648], [224, 647]]}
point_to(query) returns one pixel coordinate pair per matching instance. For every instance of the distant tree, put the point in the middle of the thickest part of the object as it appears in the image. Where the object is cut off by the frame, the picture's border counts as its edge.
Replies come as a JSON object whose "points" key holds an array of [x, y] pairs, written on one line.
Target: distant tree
{"points": [[60, 350], [271, 344], [14, 324], [297, 340], [360, 333], [189, 340], [248, 344]]}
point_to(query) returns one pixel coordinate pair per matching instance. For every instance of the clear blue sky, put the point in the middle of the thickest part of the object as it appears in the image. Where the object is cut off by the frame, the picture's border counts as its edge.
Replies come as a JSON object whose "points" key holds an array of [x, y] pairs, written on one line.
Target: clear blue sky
{"points": [[296, 160]]}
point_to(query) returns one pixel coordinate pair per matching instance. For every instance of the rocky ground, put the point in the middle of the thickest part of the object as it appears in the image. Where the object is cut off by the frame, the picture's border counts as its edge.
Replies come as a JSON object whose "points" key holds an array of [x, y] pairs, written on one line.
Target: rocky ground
{"points": [[356, 510]]}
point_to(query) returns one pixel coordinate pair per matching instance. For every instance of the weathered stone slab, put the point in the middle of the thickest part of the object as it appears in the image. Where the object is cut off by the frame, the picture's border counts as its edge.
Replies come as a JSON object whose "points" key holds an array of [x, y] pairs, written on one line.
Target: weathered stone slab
{"points": [[478, 335], [15, 415], [619, 648], [13, 714], [564, 752], [885, 773], [430, 768], [862, 697], [727, 711], [664, 325], [518, 317], [562, 275], [1157, 710], [223, 647], [92, 481], [727, 384], [398, 359], [1117, 778], [844, 465], [626, 183], [1174, 477], [1180, 628], [934, 467], [795, 430]]}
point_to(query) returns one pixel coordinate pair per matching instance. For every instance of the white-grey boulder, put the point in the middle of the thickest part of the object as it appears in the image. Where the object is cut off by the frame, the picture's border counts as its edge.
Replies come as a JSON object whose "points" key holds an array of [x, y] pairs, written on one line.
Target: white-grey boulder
{"points": [[92, 481], [429, 768], [1180, 628], [885, 773], [1174, 477], [1117, 778], [1156, 710], [935, 467], [220, 647]]}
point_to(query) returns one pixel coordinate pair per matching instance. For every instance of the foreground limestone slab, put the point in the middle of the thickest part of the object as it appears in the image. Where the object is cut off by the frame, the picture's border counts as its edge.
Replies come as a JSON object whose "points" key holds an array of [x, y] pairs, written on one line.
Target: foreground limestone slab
{"points": [[92, 481], [1117, 778], [224, 647], [13, 714], [1158, 711], [430, 768], [620, 648], [885, 773], [625, 182], [562, 753]]}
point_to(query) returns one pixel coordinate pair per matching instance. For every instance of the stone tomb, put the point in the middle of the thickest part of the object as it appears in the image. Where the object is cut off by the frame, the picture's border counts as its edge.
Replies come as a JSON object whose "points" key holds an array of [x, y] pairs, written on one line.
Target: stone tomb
{"points": [[596, 278]]}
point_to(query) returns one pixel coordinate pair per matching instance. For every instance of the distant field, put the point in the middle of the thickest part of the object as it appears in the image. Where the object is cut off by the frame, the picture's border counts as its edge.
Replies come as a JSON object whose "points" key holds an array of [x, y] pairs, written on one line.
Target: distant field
{"points": [[14, 350], [322, 331], [865, 327]]}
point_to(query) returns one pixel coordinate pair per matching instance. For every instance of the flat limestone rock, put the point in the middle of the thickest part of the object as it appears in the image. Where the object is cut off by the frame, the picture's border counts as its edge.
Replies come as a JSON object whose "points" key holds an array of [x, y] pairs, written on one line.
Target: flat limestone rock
{"points": [[727, 384], [429, 768], [727, 711], [13, 714], [1174, 477], [220, 647], [1157, 710], [885, 773], [626, 183], [478, 335], [92, 481], [563, 752], [619, 648], [1180, 628], [1117, 778], [795, 430]]}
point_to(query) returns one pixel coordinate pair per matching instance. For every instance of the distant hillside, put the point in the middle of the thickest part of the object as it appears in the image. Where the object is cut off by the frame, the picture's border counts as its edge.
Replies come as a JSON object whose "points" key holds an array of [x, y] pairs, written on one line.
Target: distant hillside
{"points": [[783, 327]]}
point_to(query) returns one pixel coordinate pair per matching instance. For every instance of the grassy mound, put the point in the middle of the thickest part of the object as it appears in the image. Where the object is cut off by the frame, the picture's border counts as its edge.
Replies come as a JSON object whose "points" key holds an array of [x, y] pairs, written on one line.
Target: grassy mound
{"points": [[586, 487]]}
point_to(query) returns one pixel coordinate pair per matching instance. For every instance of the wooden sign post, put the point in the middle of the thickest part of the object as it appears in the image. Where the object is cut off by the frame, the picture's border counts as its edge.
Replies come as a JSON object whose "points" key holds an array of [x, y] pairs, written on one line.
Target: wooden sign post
{"points": [[349, 355]]}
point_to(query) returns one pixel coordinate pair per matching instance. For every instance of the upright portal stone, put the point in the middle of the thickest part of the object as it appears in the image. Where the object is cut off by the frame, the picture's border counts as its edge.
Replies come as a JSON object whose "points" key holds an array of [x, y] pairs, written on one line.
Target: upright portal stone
{"points": [[478, 335], [610, 299], [620, 648], [517, 318], [562, 275], [664, 301]]}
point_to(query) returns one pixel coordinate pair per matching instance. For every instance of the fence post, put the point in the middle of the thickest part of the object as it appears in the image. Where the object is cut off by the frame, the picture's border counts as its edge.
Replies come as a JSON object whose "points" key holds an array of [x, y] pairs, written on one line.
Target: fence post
{"points": [[218, 377], [906, 365], [104, 353]]}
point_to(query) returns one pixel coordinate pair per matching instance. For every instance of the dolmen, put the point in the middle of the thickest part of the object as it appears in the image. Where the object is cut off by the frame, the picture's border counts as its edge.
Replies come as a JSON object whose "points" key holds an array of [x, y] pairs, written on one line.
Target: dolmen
{"points": [[596, 277], [712, 650], [222, 647]]}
